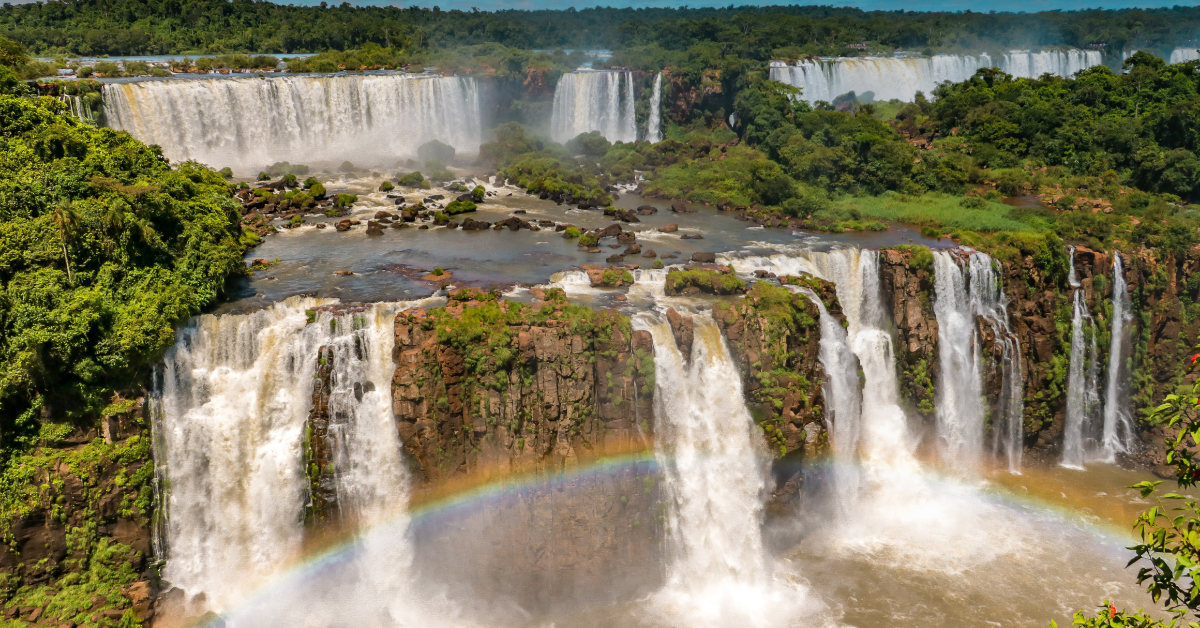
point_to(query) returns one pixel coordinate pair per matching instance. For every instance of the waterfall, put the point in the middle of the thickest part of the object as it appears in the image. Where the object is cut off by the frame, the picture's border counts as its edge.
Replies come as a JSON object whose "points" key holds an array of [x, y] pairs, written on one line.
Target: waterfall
{"points": [[901, 78], [713, 467], [1064, 63], [960, 385], [248, 124], [233, 401], [962, 297], [587, 100], [989, 302], [1118, 434], [654, 121], [843, 405], [1082, 395], [77, 109], [1183, 55], [886, 78]]}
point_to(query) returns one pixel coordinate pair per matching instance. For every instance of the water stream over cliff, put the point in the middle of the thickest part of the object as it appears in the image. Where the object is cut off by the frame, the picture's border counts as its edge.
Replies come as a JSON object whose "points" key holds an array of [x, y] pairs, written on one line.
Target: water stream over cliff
{"points": [[654, 118], [250, 123], [235, 396], [963, 297], [1118, 436], [1083, 396], [588, 100], [713, 469]]}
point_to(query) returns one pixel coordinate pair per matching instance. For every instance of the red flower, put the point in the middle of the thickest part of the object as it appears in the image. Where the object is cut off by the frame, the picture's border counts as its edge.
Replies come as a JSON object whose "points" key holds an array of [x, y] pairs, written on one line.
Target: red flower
{"points": [[1195, 357], [1112, 611]]}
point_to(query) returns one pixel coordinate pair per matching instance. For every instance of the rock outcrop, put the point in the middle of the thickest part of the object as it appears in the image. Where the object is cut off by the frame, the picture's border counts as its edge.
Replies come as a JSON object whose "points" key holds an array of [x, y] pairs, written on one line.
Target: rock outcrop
{"points": [[492, 387]]}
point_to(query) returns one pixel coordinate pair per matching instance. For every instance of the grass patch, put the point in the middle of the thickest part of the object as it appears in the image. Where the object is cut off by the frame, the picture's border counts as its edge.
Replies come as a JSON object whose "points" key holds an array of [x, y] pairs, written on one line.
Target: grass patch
{"points": [[935, 210]]}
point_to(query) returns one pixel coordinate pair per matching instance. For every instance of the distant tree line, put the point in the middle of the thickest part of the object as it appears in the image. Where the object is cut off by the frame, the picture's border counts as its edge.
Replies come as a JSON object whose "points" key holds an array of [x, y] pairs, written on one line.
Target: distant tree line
{"points": [[141, 27]]}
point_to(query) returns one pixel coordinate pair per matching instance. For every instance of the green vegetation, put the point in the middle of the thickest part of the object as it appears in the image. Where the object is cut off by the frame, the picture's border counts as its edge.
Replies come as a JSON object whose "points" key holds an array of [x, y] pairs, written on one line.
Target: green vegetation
{"points": [[1168, 556], [571, 233], [412, 180], [386, 186], [434, 150], [707, 281], [346, 200], [645, 36], [454, 208]]}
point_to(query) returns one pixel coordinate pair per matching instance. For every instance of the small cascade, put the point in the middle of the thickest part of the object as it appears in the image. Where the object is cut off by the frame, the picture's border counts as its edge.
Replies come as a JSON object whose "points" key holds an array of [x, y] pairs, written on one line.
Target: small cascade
{"points": [[712, 461], [1082, 394], [1118, 435], [654, 120], [1183, 55], [960, 405], [963, 297], [77, 108], [587, 100], [989, 302], [1064, 63], [248, 124], [843, 407], [233, 403]]}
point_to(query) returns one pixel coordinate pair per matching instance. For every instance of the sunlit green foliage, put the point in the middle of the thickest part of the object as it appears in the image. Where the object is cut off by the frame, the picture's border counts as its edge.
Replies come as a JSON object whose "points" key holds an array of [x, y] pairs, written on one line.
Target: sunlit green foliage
{"points": [[103, 248]]}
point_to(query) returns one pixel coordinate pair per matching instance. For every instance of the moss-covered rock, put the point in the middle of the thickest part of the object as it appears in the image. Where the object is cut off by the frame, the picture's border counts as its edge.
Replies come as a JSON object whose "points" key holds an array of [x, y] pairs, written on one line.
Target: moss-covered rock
{"points": [[707, 280]]}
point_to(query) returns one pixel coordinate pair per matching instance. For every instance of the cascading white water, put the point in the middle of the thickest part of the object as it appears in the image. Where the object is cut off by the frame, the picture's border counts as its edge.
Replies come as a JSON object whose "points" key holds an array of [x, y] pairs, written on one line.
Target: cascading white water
{"points": [[1082, 395], [887, 78], [1183, 55], [989, 302], [962, 296], [654, 119], [1064, 63], [587, 100], [248, 124], [713, 465], [843, 405], [1118, 435], [902, 78], [960, 402], [233, 400]]}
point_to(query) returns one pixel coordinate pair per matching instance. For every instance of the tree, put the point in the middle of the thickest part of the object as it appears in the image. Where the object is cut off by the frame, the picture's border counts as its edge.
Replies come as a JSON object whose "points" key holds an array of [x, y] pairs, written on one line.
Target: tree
{"points": [[1169, 552], [67, 222]]}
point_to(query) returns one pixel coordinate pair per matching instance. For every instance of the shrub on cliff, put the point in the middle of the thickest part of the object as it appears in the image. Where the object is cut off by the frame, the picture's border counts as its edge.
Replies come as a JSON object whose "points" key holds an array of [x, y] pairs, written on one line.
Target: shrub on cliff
{"points": [[459, 207], [706, 281]]}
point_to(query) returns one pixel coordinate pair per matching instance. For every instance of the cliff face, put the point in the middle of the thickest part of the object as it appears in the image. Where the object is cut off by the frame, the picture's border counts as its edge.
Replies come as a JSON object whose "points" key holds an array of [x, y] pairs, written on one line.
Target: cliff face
{"points": [[906, 278], [486, 385], [77, 542], [485, 391]]}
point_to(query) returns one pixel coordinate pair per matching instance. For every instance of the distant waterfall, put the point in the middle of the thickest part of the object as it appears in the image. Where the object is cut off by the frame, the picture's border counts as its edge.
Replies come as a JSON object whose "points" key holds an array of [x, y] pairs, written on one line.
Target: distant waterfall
{"points": [[654, 120], [77, 108], [586, 101], [712, 461], [233, 400], [962, 296], [1118, 435], [886, 78], [248, 124], [1082, 394], [1183, 55], [901, 78], [843, 404], [1065, 63]]}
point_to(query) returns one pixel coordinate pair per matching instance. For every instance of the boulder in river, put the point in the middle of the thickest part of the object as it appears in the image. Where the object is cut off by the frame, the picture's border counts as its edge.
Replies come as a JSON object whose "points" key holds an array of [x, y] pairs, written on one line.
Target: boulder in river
{"points": [[374, 228], [646, 210], [649, 253], [632, 249], [671, 228], [703, 257], [344, 225]]}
